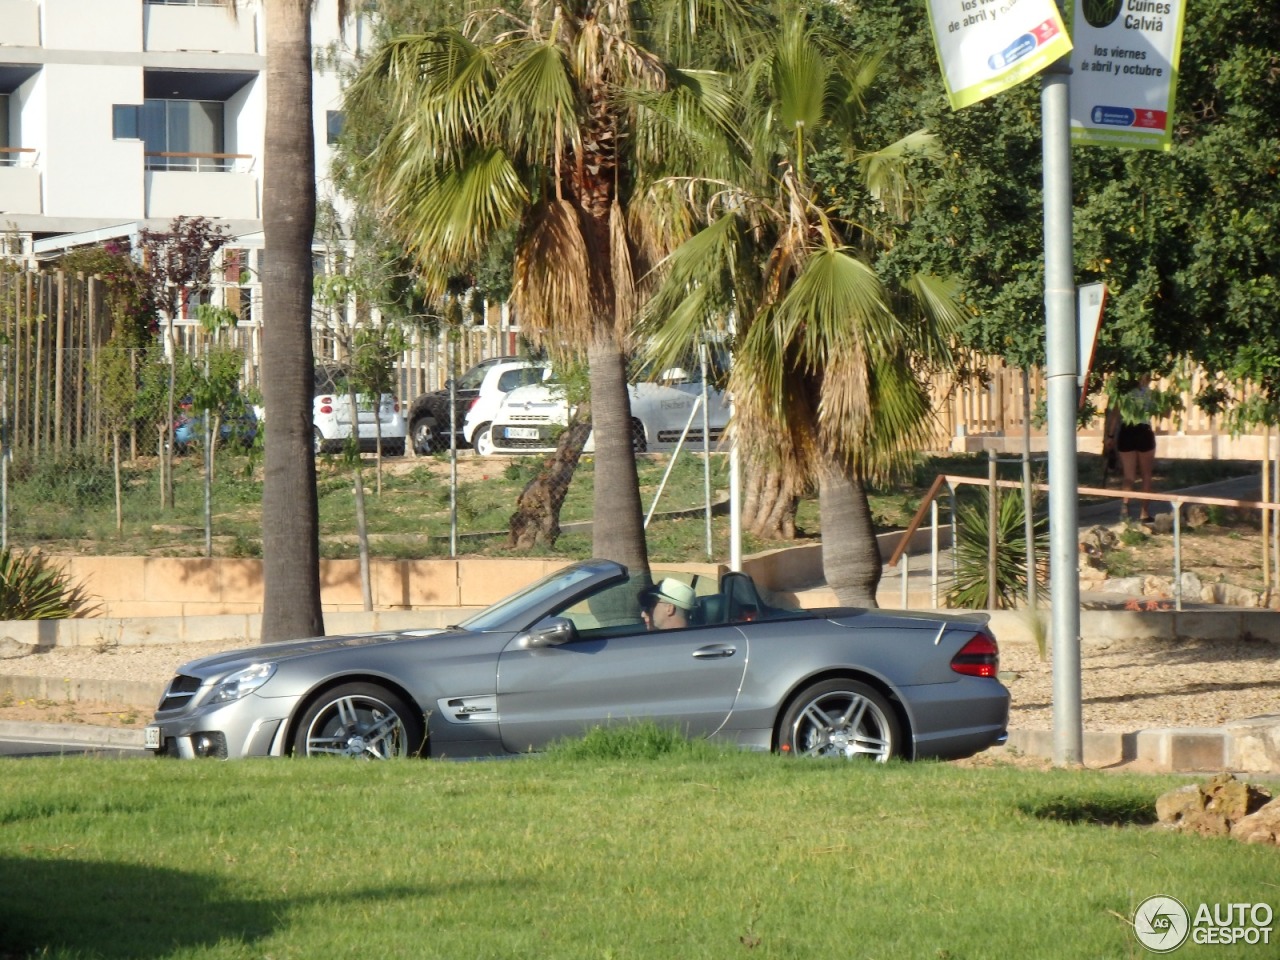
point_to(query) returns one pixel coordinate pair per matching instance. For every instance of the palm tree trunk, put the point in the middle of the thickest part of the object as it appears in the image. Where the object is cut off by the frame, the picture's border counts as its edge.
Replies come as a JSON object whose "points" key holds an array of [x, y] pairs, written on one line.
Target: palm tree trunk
{"points": [[536, 521], [850, 554], [290, 516], [769, 504], [618, 520]]}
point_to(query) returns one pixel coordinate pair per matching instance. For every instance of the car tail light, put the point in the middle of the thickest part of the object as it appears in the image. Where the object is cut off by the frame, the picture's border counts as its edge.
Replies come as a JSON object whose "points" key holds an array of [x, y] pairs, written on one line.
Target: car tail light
{"points": [[980, 657], [326, 404], [474, 401]]}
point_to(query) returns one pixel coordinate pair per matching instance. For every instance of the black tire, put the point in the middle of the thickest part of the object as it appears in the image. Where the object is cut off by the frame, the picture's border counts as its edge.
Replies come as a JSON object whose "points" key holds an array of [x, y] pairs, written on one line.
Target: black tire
{"points": [[482, 440], [843, 719], [361, 720], [638, 442], [422, 434]]}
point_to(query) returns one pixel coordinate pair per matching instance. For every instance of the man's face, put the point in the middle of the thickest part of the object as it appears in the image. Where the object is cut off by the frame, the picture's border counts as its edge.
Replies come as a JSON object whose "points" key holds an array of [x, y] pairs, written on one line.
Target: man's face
{"points": [[663, 616]]}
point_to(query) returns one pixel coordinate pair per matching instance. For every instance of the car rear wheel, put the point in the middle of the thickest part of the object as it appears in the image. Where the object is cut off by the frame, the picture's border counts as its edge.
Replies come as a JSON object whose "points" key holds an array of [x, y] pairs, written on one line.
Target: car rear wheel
{"points": [[638, 442], [423, 434], [842, 719], [361, 720], [482, 440], [318, 440]]}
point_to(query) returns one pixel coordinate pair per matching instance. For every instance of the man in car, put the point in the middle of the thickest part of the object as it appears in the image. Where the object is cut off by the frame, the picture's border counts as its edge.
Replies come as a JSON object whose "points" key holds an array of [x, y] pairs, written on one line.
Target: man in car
{"points": [[667, 606]]}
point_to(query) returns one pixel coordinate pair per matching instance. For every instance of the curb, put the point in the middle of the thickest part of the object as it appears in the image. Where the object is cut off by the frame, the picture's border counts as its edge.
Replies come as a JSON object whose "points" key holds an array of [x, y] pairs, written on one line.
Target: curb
{"points": [[72, 734], [1250, 746]]}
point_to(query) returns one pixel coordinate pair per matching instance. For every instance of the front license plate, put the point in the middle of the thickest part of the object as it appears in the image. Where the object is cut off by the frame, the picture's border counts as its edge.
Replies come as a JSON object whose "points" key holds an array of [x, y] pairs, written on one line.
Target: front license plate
{"points": [[521, 433], [151, 738]]}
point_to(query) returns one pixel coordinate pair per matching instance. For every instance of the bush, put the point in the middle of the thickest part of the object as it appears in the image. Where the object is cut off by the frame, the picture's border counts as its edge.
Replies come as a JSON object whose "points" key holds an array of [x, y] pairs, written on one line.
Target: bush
{"points": [[32, 589], [970, 590]]}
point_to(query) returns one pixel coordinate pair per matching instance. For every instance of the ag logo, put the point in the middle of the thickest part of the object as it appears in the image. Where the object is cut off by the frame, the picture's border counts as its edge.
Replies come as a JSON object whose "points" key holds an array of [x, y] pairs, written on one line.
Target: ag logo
{"points": [[1161, 924]]}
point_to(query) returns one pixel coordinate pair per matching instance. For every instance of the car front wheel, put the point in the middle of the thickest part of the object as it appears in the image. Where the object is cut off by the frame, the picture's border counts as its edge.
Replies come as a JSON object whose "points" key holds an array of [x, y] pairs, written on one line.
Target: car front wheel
{"points": [[361, 720], [843, 719]]}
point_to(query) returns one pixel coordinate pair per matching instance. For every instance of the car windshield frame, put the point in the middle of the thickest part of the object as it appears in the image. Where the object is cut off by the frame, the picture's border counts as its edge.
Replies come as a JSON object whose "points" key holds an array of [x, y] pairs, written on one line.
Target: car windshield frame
{"points": [[528, 605]]}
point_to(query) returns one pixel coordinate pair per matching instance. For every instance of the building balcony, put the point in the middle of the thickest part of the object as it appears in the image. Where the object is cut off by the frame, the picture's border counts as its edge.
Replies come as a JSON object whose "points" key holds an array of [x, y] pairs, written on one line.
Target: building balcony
{"points": [[19, 23], [216, 185], [19, 181], [197, 28]]}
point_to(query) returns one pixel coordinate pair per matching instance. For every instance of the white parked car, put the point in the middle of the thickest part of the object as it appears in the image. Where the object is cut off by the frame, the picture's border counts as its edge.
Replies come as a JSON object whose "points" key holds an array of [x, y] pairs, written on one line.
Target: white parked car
{"points": [[499, 380], [530, 418], [332, 416]]}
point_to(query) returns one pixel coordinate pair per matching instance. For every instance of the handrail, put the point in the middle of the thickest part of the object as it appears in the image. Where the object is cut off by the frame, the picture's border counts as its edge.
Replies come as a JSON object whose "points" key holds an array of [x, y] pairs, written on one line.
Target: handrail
{"points": [[1170, 498], [1174, 499]]}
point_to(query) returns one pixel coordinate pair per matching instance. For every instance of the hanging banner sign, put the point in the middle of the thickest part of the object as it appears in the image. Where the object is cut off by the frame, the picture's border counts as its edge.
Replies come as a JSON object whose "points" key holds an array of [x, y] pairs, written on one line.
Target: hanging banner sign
{"points": [[1124, 72], [985, 46]]}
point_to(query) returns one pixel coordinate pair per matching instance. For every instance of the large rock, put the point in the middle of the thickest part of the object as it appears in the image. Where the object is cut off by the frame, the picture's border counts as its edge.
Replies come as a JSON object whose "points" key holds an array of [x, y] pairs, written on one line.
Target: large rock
{"points": [[11, 649], [1213, 809], [1262, 826]]}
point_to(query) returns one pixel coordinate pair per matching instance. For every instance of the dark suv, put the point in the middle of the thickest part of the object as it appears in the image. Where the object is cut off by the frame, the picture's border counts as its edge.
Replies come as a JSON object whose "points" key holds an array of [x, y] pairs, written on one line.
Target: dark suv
{"points": [[429, 413]]}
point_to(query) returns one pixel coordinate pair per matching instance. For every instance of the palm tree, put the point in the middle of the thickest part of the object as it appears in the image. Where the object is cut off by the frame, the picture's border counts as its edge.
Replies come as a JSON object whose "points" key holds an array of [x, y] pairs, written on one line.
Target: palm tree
{"points": [[290, 510], [554, 119], [828, 359]]}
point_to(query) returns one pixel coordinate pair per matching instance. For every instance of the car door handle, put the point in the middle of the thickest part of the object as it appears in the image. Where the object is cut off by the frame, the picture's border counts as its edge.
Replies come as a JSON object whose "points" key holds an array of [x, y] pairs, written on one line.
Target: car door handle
{"points": [[715, 651]]}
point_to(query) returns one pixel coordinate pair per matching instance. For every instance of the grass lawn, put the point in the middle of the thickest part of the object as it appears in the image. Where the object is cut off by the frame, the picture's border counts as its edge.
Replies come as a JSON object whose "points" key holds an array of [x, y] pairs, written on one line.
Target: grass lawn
{"points": [[698, 852], [69, 507]]}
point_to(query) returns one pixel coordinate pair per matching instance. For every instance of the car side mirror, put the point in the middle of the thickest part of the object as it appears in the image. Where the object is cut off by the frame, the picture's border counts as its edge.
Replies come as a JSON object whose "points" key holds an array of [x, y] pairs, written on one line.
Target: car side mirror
{"points": [[549, 633]]}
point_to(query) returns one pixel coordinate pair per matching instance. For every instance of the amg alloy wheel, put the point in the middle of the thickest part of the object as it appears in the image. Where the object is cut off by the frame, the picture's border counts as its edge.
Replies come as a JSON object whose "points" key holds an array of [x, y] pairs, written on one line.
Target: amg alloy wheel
{"points": [[359, 720], [843, 719]]}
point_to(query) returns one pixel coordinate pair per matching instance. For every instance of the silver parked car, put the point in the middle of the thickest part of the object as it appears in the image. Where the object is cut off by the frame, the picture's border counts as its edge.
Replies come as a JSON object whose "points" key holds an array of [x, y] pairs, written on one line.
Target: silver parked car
{"points": [[573, 651]]}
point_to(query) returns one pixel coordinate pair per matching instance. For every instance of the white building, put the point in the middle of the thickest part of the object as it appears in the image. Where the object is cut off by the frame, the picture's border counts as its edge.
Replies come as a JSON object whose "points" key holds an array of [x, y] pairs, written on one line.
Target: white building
{"points": [[117, 115]]}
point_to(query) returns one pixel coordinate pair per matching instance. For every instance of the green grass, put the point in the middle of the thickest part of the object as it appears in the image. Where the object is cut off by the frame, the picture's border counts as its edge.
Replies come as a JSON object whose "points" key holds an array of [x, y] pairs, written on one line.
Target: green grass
{"points": [[697, 853], [69, 506]]}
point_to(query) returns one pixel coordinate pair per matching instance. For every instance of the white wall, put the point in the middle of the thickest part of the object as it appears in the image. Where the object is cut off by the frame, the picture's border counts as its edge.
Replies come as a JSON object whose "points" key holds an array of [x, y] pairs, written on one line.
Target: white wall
{"points": [[19, 23], [87, 173], [105, 25]]}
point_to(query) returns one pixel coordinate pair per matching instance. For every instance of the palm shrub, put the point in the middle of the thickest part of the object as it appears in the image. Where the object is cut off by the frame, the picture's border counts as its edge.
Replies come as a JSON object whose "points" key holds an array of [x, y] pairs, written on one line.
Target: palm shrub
{"points": [[972, 575], [31, 588]]}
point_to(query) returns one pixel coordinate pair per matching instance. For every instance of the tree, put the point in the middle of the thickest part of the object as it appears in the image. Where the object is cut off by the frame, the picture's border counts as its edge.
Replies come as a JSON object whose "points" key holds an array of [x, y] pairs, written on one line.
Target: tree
{"points": [[290, 509], [554, 119], [828, 361]]}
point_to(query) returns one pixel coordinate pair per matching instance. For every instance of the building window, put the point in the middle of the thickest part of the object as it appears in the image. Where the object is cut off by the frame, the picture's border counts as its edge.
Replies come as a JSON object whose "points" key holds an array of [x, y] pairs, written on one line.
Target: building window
{"points": [[178, 134], [333, 124]]}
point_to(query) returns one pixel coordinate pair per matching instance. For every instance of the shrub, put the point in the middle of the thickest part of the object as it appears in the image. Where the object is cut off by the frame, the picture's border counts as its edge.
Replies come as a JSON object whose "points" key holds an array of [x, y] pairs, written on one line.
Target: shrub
{"points": [[970, 589], [32, 589]]}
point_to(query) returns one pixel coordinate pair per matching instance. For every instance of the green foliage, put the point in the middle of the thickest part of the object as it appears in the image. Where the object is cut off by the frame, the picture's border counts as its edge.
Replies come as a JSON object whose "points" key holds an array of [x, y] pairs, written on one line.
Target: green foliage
{"points": [[129, 298], [972, 576], [642, 740], [76, 482], [32, 588]]}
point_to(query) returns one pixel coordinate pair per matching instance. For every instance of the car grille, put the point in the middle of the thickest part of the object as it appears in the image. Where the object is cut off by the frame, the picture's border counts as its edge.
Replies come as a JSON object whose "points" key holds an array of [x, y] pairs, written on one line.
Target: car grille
{"points": [[527, 418], [179, 693], [695, 435], [539, 444]]}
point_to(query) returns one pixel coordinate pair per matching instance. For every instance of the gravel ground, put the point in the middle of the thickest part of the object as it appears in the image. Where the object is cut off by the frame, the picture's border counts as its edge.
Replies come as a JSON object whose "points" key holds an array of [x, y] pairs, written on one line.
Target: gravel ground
{"points": [[1130, 686]]}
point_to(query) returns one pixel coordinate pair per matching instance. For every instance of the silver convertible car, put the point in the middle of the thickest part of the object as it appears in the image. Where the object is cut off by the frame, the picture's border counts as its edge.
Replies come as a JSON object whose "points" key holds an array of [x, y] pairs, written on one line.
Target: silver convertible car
{"points": [[574, 651]]}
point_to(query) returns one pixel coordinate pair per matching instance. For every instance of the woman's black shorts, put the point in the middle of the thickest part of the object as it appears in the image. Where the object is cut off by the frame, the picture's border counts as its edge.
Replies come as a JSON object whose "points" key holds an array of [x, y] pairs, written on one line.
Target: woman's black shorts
{"points": [[1136, 438]]}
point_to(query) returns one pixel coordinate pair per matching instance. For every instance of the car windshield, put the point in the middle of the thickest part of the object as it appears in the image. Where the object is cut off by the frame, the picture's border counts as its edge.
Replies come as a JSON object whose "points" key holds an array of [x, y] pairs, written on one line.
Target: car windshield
{"points": [[532, 597]]}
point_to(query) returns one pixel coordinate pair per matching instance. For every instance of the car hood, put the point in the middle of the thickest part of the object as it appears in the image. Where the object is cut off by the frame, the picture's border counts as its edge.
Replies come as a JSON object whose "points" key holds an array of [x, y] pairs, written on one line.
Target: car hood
{"points": [[231, 661]]}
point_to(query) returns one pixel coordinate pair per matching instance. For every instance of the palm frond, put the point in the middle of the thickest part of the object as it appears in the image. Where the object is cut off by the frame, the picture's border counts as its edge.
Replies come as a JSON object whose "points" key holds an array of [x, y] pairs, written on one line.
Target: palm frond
{"points": [[552, 270], [536, 103]]}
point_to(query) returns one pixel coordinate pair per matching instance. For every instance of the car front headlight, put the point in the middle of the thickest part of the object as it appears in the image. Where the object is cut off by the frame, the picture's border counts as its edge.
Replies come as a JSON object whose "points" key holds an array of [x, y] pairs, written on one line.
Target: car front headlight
{"points": [[243, 683]]}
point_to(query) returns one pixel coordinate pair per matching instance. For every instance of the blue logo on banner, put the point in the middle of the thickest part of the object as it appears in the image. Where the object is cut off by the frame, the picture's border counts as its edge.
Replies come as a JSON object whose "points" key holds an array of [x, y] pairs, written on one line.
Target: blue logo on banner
{"points": [[1113, 116], [1013, 52]]}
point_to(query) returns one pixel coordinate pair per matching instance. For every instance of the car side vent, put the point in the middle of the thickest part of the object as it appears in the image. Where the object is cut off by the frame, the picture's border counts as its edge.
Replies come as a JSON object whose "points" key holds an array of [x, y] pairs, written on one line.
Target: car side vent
{"points": [[180, 691]]}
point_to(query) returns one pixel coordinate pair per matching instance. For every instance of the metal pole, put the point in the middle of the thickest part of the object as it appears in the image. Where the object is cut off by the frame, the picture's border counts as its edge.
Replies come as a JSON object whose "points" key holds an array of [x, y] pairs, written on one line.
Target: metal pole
{"points": [[933, 553], [1061, 363], [1177, 555], [1028, 505], [735, 478], [451, 352], [706, 444], [993, 541]]}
